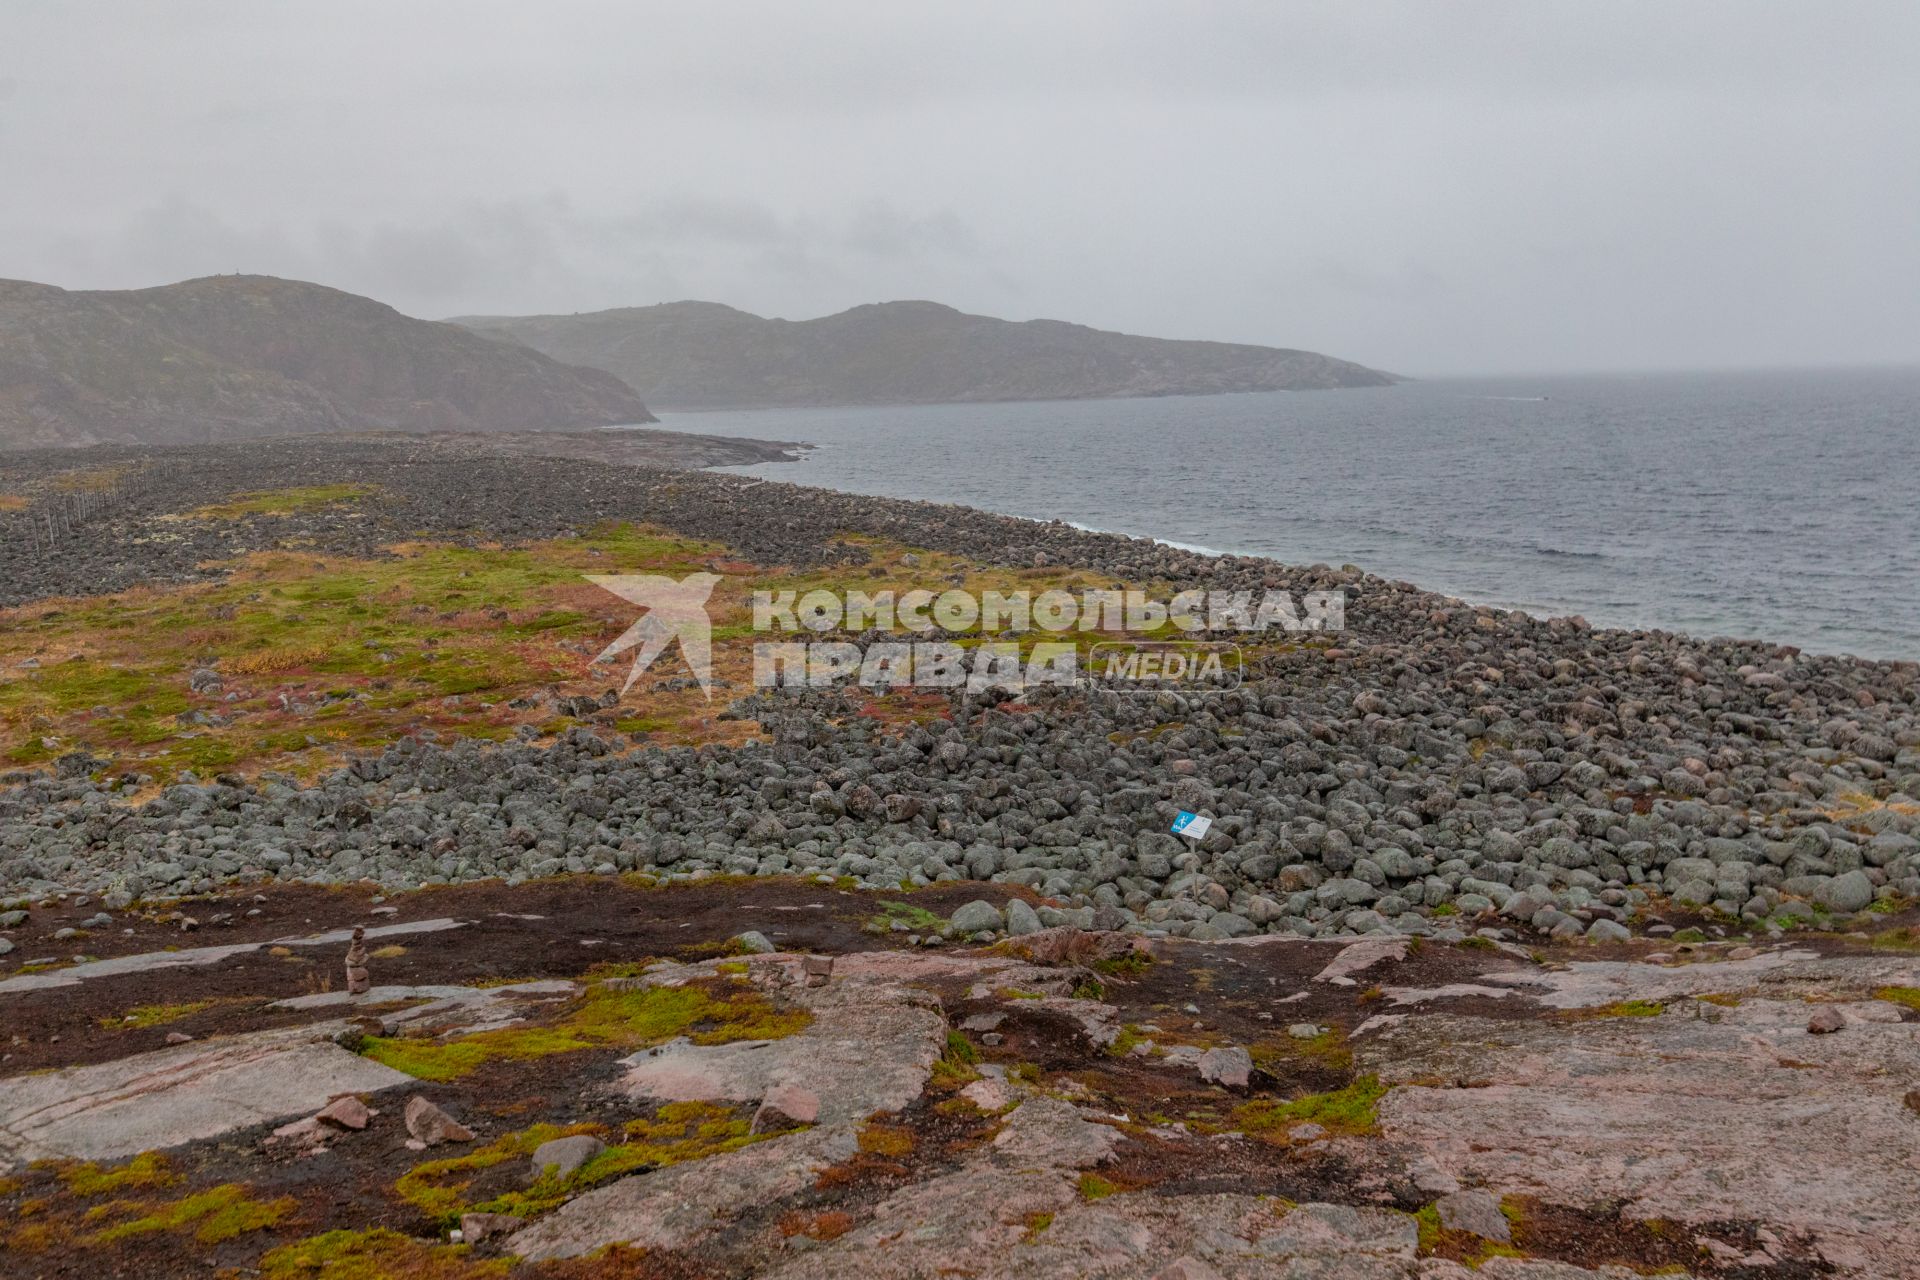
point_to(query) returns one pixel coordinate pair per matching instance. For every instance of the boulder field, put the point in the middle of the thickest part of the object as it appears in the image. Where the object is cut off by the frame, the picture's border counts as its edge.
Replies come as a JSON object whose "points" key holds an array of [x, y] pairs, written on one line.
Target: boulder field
{"points": [[1435, 768]]}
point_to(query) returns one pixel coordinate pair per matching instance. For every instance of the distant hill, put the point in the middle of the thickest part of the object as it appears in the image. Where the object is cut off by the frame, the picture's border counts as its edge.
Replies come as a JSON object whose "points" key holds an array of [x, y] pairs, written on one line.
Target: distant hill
{"points": [[701, 355], [227, 357]]}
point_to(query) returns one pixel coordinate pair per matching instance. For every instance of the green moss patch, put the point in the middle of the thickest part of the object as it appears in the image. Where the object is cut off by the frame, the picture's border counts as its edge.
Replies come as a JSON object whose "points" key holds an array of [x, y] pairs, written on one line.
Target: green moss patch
{"points": [[362, 650], [1095, 1187], [157, 1015], [286, 502], [1625, 1009], [1130, 1037], [1328, 1049], [679, 1132], [217, 1214], [146, 1170], [1461, 1246], [918, 919], [1342, 1112], [377, 1255], [707, 1013], [437, 1187], [954, 1068], [1908, 996]]}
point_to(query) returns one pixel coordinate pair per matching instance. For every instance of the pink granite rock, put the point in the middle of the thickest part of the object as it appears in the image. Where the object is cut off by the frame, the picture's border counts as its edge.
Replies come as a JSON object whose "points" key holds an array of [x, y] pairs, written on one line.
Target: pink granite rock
{"points": [[429, 1124], [786, 1106], [346, 1112]]}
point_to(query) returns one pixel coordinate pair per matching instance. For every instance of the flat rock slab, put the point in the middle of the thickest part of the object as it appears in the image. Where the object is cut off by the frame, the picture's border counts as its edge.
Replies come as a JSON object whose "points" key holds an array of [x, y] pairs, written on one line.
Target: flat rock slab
{"points": [[1530, 1269], [391, 995], [1586, 984], [871, 1046], [685, 1203], [1450, 991], [149, 961], [1697, 1114], [1048, 1133], [977, 1217], [445, 1008], [946, 966], [1589, 984], [1362, 954], [971, 1222], [109, 1110], [981, 1222]]}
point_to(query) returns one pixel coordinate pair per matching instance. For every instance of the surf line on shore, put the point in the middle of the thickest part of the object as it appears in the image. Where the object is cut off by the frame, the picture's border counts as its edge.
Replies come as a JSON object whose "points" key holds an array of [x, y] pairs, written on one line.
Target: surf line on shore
{"points": [[1194, 547]]}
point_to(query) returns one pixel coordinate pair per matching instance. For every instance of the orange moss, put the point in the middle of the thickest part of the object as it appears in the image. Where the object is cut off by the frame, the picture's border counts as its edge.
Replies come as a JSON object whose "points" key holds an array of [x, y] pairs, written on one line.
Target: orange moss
{"points": [[828, 1224]]}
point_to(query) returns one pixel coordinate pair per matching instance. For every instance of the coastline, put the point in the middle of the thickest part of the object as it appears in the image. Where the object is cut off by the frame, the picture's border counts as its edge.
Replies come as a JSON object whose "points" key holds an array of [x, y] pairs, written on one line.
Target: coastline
{"points": [[1636, 502], [1434, 755]]}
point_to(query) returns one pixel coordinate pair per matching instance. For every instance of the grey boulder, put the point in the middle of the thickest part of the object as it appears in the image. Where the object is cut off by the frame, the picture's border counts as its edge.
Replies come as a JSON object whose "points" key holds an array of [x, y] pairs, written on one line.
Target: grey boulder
{"points": [[563, 1157], [977, 916], [1850, 892], [1021, 918]]}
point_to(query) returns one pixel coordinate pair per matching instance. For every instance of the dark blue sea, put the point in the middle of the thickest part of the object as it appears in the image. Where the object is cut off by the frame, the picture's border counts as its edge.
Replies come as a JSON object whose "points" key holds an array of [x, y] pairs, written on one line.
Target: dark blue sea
{"points": [[1784, 506]]}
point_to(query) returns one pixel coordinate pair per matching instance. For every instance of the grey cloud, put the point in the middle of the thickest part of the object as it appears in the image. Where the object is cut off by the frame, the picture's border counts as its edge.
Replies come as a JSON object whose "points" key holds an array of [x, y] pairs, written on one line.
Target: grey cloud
{"points": [[540, 254], [879, 229], [1425, 185]]}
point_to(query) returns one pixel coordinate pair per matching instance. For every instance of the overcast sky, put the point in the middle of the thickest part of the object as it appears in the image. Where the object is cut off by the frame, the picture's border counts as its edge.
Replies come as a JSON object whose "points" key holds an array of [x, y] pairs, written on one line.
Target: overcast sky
{"points": [[1427, 187]]}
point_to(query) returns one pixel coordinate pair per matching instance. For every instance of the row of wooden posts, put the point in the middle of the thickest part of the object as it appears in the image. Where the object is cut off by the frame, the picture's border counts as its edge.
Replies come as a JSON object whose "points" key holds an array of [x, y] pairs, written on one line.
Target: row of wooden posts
{"points": [[56, 515]]}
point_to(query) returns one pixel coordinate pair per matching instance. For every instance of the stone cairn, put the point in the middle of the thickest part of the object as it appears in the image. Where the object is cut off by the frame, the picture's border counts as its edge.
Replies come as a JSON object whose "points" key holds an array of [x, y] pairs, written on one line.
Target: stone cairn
{"points": [[359, 982]]}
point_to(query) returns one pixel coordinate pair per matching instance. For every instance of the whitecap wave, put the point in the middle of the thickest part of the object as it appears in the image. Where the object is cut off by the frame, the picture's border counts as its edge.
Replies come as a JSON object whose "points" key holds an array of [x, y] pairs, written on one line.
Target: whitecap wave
{"points": [[1194, 547]]}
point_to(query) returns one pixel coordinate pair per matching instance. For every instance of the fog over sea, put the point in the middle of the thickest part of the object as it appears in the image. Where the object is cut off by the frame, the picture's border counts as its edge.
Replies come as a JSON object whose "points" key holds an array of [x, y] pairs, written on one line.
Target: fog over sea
{"points": [[1778, 505]]}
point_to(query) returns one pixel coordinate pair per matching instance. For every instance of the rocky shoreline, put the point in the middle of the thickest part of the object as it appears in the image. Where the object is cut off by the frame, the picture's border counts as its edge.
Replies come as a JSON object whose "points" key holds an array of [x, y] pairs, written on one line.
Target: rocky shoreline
{"points": [[1442, 769]]}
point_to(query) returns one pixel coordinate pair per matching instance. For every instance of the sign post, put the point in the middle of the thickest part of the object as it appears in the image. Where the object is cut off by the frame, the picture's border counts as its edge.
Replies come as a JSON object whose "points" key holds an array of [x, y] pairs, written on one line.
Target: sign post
{"points": [[1191, 824]]}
